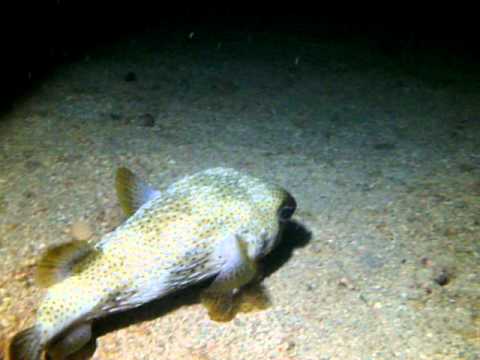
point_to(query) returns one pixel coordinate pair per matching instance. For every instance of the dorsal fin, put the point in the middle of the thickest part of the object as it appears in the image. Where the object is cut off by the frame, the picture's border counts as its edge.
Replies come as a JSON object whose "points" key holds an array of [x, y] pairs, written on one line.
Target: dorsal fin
{"points": [[132, 192], [58, 262]]}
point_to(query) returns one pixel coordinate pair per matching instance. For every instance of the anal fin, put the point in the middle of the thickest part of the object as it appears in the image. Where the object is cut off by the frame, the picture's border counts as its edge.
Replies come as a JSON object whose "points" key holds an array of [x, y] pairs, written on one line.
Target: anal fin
{"points": [[59, 261]]}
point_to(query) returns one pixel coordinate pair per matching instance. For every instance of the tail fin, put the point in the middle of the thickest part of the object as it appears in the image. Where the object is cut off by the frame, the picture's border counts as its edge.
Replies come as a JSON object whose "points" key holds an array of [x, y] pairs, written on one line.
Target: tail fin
{"points": [[25, 345]]}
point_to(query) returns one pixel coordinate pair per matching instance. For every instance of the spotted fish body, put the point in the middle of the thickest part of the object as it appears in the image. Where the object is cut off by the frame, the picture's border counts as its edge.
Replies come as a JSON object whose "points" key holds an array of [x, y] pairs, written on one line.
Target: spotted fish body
{"points": [[216, 223]]}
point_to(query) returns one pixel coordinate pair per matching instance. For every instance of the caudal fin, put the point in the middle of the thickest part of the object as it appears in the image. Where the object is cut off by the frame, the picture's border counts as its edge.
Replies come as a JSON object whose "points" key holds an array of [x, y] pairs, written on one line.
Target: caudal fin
{"points": [[25, 345]]}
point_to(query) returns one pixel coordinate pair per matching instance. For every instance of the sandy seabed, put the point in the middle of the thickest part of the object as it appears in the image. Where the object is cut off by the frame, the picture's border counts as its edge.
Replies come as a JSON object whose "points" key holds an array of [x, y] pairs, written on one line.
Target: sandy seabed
{"points": [[381, 153]]}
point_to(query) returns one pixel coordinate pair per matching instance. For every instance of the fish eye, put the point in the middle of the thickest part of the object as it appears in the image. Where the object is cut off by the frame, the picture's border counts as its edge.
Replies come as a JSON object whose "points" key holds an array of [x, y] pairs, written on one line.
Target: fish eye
{"points": [[286, 213], [288, 208]]}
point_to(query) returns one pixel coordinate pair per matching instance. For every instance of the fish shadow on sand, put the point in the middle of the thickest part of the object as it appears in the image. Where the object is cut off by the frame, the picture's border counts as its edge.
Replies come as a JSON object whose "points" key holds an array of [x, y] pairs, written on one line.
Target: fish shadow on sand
{"points": [[294, 235]]}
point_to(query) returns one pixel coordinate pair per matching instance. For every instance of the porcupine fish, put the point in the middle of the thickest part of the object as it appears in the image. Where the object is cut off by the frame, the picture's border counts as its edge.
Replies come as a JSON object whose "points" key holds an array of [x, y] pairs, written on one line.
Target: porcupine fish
{"points": [[214, 224]]}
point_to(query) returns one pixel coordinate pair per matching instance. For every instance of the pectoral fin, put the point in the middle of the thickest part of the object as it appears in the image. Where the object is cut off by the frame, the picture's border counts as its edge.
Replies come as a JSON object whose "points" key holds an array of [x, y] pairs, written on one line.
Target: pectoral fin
{"points": [[252, 298], [238, 270]]}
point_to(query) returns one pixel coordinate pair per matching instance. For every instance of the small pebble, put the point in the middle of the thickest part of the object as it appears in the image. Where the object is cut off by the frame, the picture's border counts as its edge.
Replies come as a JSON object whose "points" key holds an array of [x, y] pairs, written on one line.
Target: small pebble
{"points": [[426, 262], [28, 194], [81, 230], [346, 283], [451, 232], [6, 301], [287, 346], [115, 116], [377, 305], [31, 165], [316, 248], [442, 279], [147, 120], [384, 146], [130, 76]]}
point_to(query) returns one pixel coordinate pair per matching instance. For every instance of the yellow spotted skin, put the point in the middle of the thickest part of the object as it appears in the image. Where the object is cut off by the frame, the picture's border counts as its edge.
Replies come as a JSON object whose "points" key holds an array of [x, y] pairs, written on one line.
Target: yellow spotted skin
{"points": [[174, 240]]}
